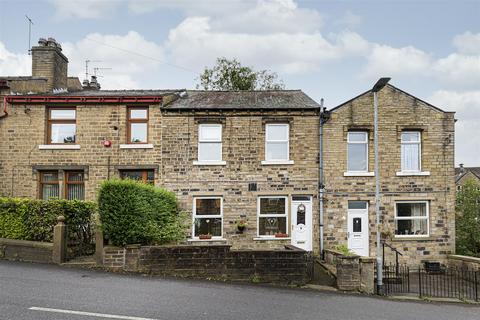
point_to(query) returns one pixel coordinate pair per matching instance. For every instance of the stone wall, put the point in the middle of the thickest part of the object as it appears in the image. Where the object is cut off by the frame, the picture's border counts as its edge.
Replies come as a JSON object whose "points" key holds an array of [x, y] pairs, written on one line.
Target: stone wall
{"points": [[463, 262], [397, 111], [287, 266], [22, 250]]}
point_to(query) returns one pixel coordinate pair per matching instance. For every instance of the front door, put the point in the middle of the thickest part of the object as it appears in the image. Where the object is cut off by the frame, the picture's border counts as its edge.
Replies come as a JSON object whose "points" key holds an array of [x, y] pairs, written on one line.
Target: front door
{"points": [[358, 227], [302, 222]]}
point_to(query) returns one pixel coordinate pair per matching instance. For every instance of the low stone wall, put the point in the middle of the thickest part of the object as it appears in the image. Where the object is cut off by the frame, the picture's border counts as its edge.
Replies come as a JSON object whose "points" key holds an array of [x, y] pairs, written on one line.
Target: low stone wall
{"points": [[287, 266], [463, 262], [22, 250]]}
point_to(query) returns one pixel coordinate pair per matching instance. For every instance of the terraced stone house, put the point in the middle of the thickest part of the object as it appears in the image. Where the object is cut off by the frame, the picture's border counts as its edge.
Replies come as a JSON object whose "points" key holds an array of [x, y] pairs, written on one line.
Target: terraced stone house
{"points": [[237, 155]]}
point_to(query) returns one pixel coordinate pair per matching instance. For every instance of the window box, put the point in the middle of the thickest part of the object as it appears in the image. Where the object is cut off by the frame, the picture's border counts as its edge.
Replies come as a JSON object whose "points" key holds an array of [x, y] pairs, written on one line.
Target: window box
{"points": [[205, 237]]}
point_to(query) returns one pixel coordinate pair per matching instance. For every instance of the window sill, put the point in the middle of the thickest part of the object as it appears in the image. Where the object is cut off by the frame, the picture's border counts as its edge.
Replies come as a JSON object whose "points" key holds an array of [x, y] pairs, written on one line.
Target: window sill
{"points": [[270, 238], [137, 146], [412, 238], [273, 163], [58, 146], [358, 174], [406, 174], [209, 163], [207, 240]]}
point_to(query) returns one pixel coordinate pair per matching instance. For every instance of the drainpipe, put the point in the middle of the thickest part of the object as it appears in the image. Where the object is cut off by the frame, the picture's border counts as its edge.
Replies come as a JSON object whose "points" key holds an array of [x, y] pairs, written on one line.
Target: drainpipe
{"points": [[382, 82], [5, 113], [324, 116]]}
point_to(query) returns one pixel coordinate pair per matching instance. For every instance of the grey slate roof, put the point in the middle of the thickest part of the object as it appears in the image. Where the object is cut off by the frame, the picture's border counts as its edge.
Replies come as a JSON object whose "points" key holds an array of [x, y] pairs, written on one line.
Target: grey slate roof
{"points": [[459, 174], [118, 93], [265, 99]]}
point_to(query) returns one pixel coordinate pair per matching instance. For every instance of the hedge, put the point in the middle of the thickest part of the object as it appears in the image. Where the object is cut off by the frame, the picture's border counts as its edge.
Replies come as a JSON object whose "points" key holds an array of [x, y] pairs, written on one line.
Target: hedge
{"points": [[133, 212], [32, 219]]}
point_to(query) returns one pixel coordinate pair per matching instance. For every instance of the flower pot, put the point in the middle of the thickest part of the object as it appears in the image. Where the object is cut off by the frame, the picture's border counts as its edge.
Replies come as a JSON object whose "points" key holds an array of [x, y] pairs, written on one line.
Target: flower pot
{"points": [[281, 235], [205, 236]]}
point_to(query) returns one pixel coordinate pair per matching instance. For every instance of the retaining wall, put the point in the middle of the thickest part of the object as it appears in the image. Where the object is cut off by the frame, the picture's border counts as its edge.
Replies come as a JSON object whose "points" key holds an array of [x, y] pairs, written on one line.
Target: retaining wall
{"points": [[22, 250]]}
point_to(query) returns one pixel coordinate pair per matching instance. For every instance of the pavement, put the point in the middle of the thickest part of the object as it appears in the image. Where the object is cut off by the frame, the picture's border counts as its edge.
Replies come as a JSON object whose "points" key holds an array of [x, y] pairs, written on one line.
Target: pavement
{"points": [[36, 291]]}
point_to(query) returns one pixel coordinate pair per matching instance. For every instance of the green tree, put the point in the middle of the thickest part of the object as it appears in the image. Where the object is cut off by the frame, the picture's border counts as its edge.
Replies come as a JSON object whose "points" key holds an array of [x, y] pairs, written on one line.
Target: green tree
{"points": [[231, 75], [468, 219]]}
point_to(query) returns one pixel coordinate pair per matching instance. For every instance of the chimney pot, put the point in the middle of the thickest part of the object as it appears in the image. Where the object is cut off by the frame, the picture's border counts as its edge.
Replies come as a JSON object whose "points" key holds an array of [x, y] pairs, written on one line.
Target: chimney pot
{"points": [[42, 42]]}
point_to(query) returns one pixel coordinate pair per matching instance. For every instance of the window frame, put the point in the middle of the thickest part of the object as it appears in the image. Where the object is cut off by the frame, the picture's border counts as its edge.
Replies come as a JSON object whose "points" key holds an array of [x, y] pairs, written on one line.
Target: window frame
{"points": [[287, 231], [426, 217], [419, 142], [203, 141], [267, 141], [130, 121], [358, 142], [51, 121], [216, 216], [41, 183], [66, 183], [144, 174]]}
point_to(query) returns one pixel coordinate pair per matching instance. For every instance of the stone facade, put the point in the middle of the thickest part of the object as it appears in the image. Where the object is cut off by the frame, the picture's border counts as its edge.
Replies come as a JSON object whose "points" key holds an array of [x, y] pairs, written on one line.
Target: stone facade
{"points": [[398, 111]]}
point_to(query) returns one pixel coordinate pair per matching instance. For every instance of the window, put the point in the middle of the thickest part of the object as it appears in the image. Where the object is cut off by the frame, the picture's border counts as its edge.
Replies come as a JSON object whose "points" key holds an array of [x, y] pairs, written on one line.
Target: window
{"points": [[147, 176], [357, 151], [411, 151], [137, 125], [272, 216], [277, 142], [72, 187], [210, 142], [49, 185], [207, 216], [411, 218], [61, 125]]}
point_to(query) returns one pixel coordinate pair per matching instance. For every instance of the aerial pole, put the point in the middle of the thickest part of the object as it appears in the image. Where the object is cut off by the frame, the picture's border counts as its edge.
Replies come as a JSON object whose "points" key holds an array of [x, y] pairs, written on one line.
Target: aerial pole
{"points": [[30, 23]]}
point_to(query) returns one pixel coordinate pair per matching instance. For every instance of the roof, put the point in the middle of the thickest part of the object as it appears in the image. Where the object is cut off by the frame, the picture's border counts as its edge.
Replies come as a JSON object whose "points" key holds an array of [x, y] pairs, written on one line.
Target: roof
{"points": [[261, 99], [395, 88], [118, 93], [460, 172]]}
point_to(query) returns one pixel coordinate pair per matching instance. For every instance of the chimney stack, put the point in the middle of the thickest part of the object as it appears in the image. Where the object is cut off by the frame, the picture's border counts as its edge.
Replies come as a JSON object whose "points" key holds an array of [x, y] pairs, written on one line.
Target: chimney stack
{"points": [[49, 62]]}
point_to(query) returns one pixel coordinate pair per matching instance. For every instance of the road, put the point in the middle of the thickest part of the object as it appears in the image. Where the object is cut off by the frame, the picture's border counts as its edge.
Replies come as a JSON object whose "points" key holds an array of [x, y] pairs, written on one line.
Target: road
{"points": [[37, 292]]}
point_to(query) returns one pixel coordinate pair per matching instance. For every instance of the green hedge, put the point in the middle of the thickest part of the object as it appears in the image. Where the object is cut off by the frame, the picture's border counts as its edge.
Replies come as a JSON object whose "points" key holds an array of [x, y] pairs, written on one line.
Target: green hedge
{"points": [[132, 212], [31, 219]]}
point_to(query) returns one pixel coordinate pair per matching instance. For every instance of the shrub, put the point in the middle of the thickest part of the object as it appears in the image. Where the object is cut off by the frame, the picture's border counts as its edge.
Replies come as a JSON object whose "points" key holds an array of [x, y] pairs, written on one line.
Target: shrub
{"points": [[132, 212], [32, 219], [344, 250], [467, 223]]}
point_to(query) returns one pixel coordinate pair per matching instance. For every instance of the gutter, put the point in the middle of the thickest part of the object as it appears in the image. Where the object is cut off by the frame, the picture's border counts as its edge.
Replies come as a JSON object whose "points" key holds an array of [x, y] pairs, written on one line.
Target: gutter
{"points": [[324, 117]]}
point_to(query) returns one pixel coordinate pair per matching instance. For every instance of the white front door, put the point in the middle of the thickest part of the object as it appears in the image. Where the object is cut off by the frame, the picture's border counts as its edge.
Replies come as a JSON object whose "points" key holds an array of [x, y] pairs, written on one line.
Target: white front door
{"points": [[358, 241], [302, 222]]}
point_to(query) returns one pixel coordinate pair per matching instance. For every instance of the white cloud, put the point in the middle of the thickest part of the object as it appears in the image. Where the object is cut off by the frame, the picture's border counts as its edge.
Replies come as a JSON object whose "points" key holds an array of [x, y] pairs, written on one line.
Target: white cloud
{"points": [[458, 70], [349, 20], [384, 60], [467, 43], [12, 64], [189, 7], [115, 51], [467, 107], [83, 9]]}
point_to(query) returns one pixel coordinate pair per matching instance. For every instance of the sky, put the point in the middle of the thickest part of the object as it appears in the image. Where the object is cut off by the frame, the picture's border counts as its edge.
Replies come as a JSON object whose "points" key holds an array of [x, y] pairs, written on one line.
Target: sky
{"points": [[329, 49]]}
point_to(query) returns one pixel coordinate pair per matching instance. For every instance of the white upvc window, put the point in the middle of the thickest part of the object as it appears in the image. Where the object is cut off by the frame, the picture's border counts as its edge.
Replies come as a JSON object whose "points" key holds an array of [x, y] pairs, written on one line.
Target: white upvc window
{"points": [[210, 143], [207, 217], [272, 218], [412, 219], [277, 142], [411, 151], [357, 142]]}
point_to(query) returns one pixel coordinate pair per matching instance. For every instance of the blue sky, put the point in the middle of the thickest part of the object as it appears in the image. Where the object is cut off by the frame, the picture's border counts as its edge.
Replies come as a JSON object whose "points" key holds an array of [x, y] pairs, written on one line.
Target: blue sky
{"points": [[330, 49]]}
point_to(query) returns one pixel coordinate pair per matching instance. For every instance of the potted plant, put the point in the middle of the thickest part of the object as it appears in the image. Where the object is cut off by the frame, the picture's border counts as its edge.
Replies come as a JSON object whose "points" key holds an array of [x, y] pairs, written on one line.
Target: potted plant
{"points": [[241, 225], [205, 236], [281, 235]]}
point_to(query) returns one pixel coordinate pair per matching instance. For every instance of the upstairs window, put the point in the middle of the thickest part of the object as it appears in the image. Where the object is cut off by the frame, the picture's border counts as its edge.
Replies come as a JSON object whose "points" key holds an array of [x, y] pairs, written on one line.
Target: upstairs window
{"points": [[411, 151], [147, 176], [357, 151], [61, 125], [209, 142], [137, 125], [277, 142]]}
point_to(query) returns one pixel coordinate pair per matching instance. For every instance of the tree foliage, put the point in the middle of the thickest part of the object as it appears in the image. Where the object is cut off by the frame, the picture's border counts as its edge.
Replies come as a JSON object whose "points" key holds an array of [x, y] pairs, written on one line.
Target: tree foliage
{"points": [[468, 219], [231, 75]]}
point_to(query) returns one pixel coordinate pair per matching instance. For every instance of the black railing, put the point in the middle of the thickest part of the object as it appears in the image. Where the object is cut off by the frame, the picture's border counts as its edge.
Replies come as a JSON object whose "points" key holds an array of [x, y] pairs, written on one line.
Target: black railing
{"points": [[397, 253], [427, 282]]}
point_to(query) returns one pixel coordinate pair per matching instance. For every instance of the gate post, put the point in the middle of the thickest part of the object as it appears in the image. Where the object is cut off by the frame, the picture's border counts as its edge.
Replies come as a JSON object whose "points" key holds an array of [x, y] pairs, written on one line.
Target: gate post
{"points": [[99, 245], [59, 254]]}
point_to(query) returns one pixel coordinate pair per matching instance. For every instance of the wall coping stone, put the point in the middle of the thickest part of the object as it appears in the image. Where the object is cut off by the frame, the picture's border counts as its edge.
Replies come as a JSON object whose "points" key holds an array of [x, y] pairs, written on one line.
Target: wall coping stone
{"points": [[464, 258], [26, 243]]}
